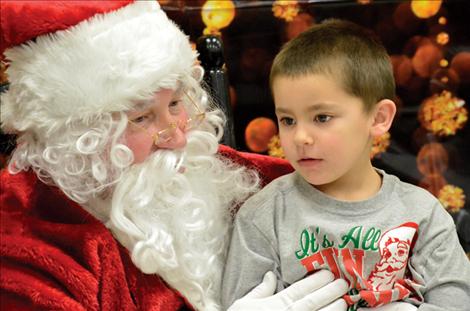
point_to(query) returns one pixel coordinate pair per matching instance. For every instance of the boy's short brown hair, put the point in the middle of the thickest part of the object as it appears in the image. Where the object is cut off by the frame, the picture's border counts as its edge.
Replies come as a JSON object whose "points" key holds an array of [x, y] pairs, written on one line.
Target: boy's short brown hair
{"points": [[344, 51]]}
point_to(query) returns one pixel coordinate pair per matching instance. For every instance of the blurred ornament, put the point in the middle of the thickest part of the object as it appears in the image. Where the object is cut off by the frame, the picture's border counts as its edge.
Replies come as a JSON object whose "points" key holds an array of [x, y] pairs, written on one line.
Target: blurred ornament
{"points": [[461, 64], [364, 1], [285, 9], [258, 134], [443, 114], [442, 20], [444, 79], [433, 183], [380, 145], [299, 24], [404, 19], [452, 198], [275, 148], [425, 8], [432, 159], [442, 38], [426, 60], [217, 14], [415, 42], [402, 69]]}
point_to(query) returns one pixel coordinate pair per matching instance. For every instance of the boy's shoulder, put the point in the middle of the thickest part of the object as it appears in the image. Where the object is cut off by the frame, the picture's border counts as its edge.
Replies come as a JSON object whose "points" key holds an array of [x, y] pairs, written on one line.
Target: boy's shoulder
{"points": [[408, 192], [264, 200]]}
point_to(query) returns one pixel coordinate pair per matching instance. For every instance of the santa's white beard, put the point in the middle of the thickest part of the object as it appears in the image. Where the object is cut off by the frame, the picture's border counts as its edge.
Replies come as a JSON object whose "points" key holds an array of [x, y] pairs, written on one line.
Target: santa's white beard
{"points": [[172, 213]]}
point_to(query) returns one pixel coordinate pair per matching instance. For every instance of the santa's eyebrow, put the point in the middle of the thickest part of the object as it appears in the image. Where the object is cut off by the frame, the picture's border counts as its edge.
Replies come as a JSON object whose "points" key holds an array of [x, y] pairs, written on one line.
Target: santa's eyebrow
{"points": [[141, 105]]}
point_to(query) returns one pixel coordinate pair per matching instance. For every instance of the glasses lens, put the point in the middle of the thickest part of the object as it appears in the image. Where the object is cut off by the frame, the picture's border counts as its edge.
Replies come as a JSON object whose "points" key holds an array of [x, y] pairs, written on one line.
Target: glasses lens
{"points": [[166, 134], [195, 121]]}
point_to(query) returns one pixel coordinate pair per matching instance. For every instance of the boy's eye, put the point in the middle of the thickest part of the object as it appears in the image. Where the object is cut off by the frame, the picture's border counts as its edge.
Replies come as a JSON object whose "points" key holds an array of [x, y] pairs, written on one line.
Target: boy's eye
{"points": [[322, 118], [286, 121]]}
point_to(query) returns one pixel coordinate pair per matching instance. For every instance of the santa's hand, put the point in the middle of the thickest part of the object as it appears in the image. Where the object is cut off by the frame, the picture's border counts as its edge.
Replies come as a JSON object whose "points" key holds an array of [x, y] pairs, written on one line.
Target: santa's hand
{"points": [[394, 306], [312, 293]]}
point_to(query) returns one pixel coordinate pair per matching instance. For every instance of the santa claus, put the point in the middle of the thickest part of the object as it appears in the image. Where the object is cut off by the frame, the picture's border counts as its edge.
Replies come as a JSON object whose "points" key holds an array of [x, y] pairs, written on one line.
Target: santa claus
{"points": [[118, 196]]}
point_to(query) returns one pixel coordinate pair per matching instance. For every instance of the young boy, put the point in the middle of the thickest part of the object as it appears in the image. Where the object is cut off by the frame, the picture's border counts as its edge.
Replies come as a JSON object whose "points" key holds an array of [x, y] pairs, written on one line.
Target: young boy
{"points": [[333, 88]]}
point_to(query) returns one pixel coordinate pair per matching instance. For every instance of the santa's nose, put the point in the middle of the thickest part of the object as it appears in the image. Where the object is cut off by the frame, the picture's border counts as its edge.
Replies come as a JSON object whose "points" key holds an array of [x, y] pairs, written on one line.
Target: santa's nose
{"points": [[177, 140]]}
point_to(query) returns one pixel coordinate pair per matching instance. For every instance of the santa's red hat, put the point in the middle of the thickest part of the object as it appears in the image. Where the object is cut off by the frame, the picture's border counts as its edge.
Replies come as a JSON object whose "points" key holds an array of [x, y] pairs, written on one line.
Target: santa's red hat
{"points": [[70, 60]]}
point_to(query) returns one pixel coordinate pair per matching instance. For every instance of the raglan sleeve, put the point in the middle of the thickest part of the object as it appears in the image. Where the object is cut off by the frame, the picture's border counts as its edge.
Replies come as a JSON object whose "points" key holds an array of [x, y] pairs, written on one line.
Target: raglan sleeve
{"points": [[439, 262], [252, 251]]}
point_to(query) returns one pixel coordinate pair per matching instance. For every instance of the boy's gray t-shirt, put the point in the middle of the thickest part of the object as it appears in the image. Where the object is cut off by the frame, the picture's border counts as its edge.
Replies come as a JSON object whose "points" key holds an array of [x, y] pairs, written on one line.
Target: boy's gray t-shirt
{"points": [[400, 244]]}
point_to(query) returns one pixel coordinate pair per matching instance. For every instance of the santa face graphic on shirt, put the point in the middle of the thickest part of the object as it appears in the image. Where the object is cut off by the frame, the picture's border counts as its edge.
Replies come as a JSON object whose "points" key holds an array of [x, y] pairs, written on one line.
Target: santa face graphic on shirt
{"points": [[394, 247]]}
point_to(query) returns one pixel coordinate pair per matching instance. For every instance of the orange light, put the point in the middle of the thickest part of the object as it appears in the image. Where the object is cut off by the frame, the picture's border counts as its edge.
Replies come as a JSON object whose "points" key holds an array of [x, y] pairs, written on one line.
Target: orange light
{"points": [[452, 198], [402, 69], [445, 79], [426, 60], [443, 114], [442, 38], [299, 24], [433, 183], [274, 147], [258, 133], [217, 15], [432, 159], [461, 64], [425, 8], [443, 63], [380, 145], [442, 20], [285, 9]]}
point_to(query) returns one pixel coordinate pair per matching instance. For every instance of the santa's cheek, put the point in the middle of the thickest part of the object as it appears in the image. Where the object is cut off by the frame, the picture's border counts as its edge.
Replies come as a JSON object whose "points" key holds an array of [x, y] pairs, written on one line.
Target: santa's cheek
{"points": [[141, 146]]}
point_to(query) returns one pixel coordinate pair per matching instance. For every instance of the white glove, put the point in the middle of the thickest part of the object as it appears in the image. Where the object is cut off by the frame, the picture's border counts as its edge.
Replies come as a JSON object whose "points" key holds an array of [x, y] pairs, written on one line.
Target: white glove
{"points": [[394, 306], [312, 293]]}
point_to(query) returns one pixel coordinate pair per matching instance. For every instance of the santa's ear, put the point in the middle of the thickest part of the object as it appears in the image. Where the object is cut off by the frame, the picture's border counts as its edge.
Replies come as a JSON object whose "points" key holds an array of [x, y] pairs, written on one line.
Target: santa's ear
{"points": [[383, 115]]}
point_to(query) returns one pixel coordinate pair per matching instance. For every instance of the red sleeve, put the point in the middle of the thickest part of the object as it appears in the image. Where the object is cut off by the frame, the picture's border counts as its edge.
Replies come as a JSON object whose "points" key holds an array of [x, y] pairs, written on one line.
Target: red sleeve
{"points": [[268, 167], [56, 256]]}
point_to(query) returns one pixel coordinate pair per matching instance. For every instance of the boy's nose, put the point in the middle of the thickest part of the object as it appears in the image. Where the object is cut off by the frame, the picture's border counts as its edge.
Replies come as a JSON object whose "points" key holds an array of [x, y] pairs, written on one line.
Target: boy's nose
{"points": [[302, 136]]}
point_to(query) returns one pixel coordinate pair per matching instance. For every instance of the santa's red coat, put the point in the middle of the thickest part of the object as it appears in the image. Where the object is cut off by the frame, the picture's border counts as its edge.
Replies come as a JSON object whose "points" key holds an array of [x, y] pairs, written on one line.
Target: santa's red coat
{"points": [[56, 256]]}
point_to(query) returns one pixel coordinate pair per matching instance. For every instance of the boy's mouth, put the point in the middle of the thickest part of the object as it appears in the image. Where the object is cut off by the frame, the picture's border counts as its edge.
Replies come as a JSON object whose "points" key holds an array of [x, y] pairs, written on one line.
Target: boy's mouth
{"points": [[309, 162]]}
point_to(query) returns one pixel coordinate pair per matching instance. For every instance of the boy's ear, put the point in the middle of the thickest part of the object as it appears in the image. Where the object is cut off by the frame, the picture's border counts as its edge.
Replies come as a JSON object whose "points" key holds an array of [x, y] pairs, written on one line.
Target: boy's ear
{"points": [[383, 115]]}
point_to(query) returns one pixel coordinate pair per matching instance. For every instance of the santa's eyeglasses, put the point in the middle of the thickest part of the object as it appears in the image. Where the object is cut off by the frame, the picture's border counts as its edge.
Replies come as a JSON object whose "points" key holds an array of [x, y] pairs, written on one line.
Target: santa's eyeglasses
{"points": [[166, 134]]}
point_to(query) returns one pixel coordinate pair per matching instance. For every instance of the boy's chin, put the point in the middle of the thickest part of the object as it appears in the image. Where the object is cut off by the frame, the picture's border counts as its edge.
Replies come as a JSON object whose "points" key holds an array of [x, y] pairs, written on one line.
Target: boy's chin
{"points": [[315, 178]]}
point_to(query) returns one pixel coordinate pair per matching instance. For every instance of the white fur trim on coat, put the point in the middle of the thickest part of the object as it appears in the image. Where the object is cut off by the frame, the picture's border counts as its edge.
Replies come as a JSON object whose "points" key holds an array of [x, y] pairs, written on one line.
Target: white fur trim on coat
{"points": [[100, 65]]}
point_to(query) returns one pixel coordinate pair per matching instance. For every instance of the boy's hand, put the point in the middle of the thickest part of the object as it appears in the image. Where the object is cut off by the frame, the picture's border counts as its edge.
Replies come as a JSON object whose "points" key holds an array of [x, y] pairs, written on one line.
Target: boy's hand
{"points": [[394, 306], [318, 291]]}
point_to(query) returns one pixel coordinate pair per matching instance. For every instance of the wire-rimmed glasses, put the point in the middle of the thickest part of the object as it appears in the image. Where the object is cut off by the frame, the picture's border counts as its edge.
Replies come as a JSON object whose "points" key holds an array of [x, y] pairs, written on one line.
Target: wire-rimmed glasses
{"points": [[166, 134]]}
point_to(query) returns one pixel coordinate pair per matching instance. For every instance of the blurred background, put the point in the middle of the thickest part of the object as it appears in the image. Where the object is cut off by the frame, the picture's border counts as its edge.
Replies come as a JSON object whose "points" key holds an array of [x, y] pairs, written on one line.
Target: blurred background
{"points": [[429, 46]]}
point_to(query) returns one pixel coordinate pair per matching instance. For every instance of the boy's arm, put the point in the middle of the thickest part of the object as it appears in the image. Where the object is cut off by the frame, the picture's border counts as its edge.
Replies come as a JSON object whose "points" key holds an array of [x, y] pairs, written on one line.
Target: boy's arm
{"points": [[442, 265], [250, 256]]}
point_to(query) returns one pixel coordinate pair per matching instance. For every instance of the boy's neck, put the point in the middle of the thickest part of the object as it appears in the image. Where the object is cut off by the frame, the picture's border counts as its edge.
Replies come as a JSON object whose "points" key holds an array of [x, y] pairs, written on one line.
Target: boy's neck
{"points": [[359, 184]]}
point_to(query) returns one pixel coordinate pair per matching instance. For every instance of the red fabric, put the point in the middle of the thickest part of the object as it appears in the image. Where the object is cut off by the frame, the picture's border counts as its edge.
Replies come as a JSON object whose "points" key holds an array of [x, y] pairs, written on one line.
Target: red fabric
{"points": [[56, 256], [268, 167], [24, 20]]}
